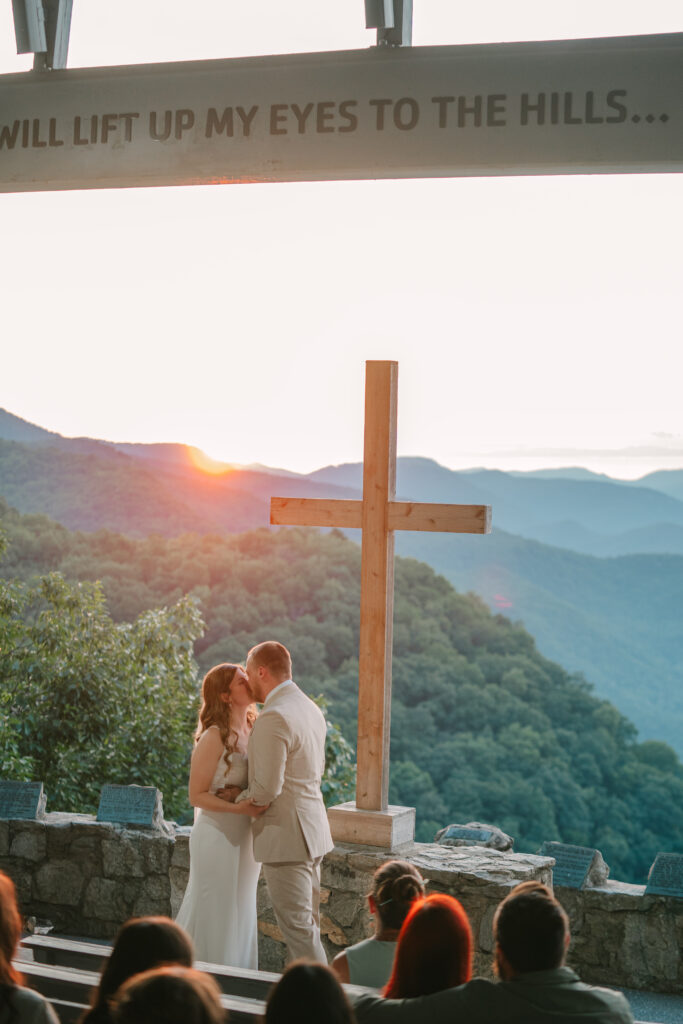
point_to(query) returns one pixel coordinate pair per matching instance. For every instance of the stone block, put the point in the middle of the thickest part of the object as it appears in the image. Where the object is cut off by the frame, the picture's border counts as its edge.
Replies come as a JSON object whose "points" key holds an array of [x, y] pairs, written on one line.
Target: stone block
{"points": [[105, 900], [86, 825], [339, 874], [60, 882], [154, 897], [271, 953], [480, 868], [263, 902], [4, 839], [271, 929], [87, 852], [482, 965], [333, 932], [22, 879], [29, 841], [180, 858], [348, 908], [178, 880], [59, 836], [156, 854], [651, 948], [122, 858]]}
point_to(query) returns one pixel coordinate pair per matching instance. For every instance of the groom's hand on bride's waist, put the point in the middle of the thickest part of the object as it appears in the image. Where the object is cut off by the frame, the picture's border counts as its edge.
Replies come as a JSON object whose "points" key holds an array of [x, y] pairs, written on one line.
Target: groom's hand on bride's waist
{"points": [[228, 793]]}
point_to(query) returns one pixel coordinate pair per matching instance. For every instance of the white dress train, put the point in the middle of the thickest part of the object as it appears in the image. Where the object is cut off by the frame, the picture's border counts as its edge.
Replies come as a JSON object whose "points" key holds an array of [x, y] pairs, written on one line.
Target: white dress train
{"points": [[219, 907]]}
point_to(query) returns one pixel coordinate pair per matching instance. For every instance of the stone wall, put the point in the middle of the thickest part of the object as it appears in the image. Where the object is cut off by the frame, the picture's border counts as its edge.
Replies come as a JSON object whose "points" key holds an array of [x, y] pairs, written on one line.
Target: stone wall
{"points": [[87, 877]]}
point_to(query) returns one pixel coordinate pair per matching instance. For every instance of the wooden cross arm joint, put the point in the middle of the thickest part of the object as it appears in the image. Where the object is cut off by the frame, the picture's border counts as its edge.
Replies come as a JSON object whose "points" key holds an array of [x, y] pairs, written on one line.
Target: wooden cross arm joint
{"points": [[401, 515]]}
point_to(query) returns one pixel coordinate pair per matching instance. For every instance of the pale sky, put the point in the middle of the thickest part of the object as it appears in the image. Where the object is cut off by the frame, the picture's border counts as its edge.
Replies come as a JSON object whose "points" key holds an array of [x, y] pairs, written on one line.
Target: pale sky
{"points": [[536, 321]]}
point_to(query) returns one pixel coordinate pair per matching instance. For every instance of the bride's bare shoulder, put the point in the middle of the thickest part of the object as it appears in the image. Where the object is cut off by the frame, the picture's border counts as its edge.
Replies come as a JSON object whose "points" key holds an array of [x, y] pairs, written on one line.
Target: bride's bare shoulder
{"points": [[211, 737]]}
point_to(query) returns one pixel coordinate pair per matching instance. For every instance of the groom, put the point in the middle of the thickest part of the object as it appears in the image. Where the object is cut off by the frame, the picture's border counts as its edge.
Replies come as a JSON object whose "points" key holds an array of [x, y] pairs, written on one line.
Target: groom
{"points": [[286, 757]]}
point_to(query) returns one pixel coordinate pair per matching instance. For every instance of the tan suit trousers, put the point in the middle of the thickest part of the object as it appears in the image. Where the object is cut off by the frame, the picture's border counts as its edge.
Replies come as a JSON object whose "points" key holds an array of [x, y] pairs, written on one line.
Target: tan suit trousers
{"points": [[295, 894]]}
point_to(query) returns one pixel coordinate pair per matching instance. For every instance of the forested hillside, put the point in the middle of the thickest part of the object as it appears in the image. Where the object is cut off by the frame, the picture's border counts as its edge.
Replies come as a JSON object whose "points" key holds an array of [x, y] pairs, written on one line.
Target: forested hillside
{"points": [[483, 726], [618, 620]]}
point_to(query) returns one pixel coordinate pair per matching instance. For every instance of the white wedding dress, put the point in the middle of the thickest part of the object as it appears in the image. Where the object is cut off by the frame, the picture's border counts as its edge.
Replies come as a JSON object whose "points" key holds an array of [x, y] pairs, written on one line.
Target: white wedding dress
{"points": [[219, 907]]}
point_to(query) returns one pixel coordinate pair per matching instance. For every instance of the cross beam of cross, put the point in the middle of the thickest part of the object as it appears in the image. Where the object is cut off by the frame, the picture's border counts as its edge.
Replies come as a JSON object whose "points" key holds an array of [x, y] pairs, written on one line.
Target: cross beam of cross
{"points": [[378, 515]]}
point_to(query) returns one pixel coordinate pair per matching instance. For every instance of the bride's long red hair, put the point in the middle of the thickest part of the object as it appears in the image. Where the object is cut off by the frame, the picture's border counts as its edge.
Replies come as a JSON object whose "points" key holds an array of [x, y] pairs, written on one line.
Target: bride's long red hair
{"points": [[216, 711]]}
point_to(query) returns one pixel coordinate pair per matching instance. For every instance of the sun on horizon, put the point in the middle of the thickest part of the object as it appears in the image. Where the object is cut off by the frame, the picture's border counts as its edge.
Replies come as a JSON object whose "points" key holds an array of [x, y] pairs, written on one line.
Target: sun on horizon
{"points": [[214, 467]]}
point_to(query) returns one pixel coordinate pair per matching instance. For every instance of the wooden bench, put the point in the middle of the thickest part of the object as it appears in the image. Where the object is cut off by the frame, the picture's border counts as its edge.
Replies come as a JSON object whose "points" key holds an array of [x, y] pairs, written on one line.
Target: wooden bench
{"points": [[90, 956], [68, 989]]}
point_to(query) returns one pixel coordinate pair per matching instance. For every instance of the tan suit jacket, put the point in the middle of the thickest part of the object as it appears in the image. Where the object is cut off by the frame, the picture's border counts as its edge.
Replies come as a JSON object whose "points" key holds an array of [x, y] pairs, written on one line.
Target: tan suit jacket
{"points": [[286, 756]]}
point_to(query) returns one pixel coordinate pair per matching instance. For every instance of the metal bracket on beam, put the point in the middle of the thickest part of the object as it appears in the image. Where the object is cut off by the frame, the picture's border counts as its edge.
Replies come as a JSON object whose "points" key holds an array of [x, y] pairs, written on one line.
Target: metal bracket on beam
{"points": [[42, 27], [29, 26], [393, 20]]}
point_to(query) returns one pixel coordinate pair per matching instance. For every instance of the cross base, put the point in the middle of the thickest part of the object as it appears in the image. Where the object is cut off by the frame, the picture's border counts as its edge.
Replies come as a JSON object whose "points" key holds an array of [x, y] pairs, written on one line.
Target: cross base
{"points": [[389, 829]]}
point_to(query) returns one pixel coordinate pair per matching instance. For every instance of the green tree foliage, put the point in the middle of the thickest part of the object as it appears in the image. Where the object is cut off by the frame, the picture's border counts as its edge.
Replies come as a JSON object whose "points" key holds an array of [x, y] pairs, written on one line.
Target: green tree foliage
{"points": [[483, 726], [86, 701], [339, 778]]}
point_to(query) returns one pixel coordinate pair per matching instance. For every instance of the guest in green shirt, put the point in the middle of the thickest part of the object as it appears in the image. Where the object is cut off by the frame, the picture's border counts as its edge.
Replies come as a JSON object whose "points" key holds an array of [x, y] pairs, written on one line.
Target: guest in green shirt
{"points": [[395, 887]]}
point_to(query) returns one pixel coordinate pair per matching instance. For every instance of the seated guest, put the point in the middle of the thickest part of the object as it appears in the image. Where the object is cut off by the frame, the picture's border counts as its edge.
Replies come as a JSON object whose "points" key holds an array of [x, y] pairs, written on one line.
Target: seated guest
{"points": [[141, 944], [531, 936], [169, 995], [308, 992], [434, 949], [395, 887], [17, 1004]]}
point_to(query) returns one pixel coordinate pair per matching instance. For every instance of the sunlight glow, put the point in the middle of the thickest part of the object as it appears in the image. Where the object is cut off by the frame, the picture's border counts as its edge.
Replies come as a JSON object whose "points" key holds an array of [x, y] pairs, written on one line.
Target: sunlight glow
{"points": [[204, 462]]}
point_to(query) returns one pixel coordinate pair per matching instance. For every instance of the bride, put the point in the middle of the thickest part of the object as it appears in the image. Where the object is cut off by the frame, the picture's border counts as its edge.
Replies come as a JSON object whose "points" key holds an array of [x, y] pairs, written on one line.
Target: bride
{"points": [[219, 907]]}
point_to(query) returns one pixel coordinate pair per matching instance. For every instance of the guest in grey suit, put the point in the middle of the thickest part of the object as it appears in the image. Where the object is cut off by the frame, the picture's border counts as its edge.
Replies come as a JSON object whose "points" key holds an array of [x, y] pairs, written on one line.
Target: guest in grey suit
{"points": [[531, 935], [286, 756]]}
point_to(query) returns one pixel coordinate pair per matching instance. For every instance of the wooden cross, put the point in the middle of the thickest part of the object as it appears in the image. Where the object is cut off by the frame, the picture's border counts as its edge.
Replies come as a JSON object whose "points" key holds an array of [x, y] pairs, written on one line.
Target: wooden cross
{"points": [[378, 515]]}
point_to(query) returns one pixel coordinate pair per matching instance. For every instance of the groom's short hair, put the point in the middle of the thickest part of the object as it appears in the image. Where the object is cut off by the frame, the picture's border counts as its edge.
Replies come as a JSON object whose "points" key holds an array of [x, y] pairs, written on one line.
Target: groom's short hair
{"points": [[273, 656]]}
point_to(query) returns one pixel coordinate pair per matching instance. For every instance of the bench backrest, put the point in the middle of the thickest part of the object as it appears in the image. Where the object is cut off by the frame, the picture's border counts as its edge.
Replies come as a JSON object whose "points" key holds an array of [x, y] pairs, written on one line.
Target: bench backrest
{"points": [[68, 989], [90, 956]]}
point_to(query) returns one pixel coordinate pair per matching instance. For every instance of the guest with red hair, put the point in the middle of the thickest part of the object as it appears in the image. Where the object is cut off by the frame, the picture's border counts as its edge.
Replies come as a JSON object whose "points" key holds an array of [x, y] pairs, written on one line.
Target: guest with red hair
{"points": [[434, 949], [17, 1004]]}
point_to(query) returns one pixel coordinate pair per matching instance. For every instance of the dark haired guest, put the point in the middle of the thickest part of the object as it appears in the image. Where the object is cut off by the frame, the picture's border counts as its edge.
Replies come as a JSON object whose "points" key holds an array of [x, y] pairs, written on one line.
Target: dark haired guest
{"points": [[308, 992], [395, 887], [169, 995], [18, 1005], [141, 944]]}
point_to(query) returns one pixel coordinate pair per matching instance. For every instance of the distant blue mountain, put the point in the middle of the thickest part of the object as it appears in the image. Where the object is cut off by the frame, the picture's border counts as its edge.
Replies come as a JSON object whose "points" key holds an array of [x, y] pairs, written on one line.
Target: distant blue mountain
{"points": [[585, 512], [563, 473], [668, 481]]}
